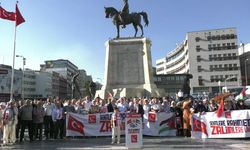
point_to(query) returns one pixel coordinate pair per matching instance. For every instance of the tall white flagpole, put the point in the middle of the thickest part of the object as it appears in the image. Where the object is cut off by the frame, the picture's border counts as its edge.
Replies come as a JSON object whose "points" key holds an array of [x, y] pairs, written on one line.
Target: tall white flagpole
{"points": [[13, 67]]}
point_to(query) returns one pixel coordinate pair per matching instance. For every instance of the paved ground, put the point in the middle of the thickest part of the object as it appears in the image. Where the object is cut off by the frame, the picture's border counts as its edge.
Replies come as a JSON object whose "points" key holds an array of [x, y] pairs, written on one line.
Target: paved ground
{"points": [[150, 143]]}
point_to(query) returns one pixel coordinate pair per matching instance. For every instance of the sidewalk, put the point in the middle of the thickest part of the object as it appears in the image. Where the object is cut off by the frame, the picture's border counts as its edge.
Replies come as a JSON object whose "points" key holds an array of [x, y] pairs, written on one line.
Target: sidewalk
{"points": [[155, 143]]}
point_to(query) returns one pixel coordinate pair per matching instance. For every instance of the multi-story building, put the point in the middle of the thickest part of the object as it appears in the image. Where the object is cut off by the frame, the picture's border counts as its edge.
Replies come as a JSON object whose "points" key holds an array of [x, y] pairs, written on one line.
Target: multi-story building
{"points": [[5, 83], [62, 87], [211, 56], [82, 79], [244, 52], [64, 67], [29, 84]]}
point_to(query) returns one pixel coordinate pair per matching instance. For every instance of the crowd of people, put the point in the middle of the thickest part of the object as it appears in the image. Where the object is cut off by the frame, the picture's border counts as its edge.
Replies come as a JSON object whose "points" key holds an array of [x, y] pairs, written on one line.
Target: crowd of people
{"points": [[50, 115]]}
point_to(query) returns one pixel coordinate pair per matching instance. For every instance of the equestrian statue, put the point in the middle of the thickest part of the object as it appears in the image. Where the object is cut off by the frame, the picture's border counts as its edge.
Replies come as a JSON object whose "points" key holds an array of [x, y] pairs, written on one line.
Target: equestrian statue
{"points": [[124, 18]]}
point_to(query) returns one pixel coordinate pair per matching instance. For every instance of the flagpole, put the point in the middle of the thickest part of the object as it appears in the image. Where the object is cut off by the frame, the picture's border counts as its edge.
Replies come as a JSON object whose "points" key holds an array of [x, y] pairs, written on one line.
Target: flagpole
{"points": [[13, 67]]}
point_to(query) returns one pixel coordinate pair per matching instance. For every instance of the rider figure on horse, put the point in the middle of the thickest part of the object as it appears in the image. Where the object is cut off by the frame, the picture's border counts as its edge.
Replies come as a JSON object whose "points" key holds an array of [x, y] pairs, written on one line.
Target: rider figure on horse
{"points": [[124, 13]]}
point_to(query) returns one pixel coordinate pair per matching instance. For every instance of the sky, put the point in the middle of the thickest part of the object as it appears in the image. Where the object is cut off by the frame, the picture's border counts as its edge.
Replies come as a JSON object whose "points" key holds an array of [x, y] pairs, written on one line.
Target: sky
{"points": [[77, 29]]}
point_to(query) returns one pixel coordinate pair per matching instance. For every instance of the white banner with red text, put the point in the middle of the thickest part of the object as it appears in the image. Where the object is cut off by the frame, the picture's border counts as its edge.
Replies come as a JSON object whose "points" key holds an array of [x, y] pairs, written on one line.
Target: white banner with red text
{"points": [[232, 124], [155, 124]]}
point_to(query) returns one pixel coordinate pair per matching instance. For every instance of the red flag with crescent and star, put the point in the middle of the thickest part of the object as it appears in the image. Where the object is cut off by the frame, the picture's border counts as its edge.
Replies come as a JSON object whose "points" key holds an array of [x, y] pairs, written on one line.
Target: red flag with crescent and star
{"points": [[75, 125], [19, 17], [7, 15], [12, 16], [199, 126], [151, 117]]}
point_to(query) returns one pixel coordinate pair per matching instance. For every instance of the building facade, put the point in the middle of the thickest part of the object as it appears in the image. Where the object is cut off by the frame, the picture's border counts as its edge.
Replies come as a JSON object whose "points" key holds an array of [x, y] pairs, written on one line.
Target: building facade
{"points": [[211, 56], [30, 84], [244, 52], [5, 83], [65, 68]]}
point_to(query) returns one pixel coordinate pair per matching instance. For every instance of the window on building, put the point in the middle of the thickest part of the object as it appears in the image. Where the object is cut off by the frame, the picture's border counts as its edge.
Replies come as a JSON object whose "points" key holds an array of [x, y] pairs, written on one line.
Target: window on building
{"points": [[228, 36], [224, 46], [198, 48], [197, 39], [230, 67], [211, 67], [226, 67], [218, 37], [209, 38], [198, 58], [221, 77], [199, 69], [235, 67], [219, 57], [223, 37], [200, 80], [233, 44], [210, 57], [228, 46], [234, 56], [216, 78], [225, 57], [230, 56], [215, 67], [215, 57], [218, 47], [232, 36], [209, 47], [212, 78], [220, 68]]}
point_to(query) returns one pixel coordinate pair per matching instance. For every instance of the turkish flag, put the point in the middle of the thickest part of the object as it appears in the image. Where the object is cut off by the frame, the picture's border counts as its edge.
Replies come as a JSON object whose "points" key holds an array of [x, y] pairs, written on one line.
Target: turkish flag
{"points": [[228, 115], [19, 17], [75, 125], [7, 15], [221, 108], [92, 118], [151, 117], [134, 138], [199, 126]]}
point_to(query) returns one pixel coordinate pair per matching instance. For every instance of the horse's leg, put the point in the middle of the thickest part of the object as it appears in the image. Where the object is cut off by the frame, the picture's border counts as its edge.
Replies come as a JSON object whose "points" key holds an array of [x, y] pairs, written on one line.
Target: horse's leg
{"points": [[118, 30], [136, 29], [142, 33]]}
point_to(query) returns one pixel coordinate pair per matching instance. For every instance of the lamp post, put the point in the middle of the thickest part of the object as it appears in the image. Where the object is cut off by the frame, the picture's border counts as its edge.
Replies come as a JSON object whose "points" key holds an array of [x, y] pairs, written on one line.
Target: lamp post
{"points": [[219, 83], [246, 71], [228, 78], [24, 60]]}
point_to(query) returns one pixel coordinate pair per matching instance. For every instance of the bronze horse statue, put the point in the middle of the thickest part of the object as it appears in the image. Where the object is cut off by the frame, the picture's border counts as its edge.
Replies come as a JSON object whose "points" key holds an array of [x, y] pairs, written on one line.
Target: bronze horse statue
{"points": [[132, 18]]}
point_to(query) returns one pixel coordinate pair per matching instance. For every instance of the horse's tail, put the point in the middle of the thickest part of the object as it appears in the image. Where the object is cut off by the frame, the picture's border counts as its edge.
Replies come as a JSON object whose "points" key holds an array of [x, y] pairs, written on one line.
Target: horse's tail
{"points": [[145, 17]]}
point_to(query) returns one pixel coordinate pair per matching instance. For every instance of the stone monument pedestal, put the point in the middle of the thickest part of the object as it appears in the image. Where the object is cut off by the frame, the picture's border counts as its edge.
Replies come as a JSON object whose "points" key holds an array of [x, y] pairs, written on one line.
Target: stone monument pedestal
{"points": [[128, 69]]}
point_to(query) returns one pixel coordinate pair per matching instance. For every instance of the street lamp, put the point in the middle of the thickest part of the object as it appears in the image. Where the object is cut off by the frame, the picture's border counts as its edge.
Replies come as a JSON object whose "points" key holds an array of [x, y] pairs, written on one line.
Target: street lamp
{"points": [[246, 71], [24, 62], [228, 78], [219, 83]]}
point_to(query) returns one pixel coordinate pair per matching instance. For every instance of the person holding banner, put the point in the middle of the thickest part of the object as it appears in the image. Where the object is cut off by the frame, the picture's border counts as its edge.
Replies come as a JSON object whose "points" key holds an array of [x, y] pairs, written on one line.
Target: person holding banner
{"points": [[116, 125], [187, 115]]}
